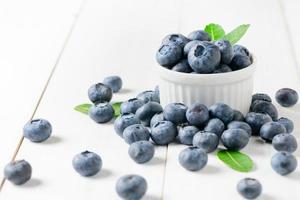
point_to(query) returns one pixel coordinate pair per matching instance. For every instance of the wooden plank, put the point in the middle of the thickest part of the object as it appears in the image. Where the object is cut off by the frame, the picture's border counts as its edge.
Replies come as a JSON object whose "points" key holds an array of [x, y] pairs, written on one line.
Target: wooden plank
{"points": [[267, 39], [112, 37]]}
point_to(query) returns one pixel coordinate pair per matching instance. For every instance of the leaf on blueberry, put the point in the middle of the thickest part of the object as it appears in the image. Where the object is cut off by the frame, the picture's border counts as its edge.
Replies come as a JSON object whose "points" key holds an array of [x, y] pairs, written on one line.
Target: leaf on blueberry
{"points": [[117, 108], [236, 160], [236, 34], [83, 108], [215, 31]]}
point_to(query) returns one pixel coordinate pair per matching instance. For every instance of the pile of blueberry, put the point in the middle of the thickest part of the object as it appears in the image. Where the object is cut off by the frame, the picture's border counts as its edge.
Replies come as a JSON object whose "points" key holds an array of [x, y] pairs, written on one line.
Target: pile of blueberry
{"points": [[196, 53]]}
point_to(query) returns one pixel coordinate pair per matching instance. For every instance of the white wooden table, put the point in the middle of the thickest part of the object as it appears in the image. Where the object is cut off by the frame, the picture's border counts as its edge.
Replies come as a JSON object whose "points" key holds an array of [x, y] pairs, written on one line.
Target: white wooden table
{"points": [[52, 51]]}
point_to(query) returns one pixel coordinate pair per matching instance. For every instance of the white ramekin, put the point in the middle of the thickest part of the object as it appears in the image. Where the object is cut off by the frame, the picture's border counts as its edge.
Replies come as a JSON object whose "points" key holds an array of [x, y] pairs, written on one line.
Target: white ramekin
{"points": [[233, 88]]}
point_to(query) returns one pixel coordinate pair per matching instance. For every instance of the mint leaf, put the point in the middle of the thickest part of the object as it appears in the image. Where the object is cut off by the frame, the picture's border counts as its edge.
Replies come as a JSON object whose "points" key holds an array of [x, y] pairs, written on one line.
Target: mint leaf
{"points": [[83, 108], [117, 108], [215, 31], [236, 160], [236, 34]]}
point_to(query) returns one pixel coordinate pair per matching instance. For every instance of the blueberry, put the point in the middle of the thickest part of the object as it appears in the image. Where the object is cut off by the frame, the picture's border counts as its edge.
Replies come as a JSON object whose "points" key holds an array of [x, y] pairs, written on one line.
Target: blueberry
{"points": [[199, 35], [175, 112], [284, 163], [189, 45], [131, 105], [240, 62], [183, 66], [242, 125], [100, 93], [114, 82], [101, 113], [148, 96], [261, 96], [221, 111], [131, 187], [177, 39], [124, 121], [186, 134], [226, 50], [141, 151], [215, 126], [192, 158], [147, 111], [222, 69], [256, 120], [238, 116], [136, 132], [241, 50], [266, 108], [286, 97], [197, 115], [287, 123], [249, 188], [206, 141], [18, 172], [168, 54], [163, 132], [157, 118], [285, 142], [235, 139], [87, 163], [204, 57], [271, 129], [37, 130]]}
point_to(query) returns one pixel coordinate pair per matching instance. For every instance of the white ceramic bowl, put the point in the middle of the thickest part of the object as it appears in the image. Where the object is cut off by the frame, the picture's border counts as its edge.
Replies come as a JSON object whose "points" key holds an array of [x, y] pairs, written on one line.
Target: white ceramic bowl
{"points": [[233, 88]]}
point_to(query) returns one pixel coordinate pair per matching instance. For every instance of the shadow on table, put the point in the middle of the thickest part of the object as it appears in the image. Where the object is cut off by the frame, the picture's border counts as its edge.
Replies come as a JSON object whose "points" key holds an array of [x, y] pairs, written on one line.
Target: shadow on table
{"points": [[32, 183]]}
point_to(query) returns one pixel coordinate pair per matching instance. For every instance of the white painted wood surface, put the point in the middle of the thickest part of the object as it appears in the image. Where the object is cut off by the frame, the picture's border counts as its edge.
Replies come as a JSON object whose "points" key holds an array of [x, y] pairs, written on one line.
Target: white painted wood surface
{"points": [[120, 37]]}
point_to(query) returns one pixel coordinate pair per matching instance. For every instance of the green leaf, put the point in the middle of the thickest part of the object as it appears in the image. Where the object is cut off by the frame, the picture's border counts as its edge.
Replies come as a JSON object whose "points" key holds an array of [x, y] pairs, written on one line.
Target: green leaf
{"points": [[215, 31], [117, 108], [236, 160], [83, 108], [235, 35]]}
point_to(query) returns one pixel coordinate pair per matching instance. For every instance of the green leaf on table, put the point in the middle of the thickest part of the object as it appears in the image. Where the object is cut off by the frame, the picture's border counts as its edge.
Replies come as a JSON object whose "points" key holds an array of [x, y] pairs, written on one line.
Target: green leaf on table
{"points": [[83, 108], [236, 34], [215, 31], [117, 108], [236, 160]]}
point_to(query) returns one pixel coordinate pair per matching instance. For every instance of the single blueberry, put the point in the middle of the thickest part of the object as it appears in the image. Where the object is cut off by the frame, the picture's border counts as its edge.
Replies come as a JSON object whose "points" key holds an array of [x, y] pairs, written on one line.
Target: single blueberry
{"points": [[124, 121], [186, 134], [238, 116], [287, 123], [101, 113], [285, 142], [206, 141], [192, 158], [37, 130], [271, 129], [241, 50], [141, 151], [199, 35], [235, 139], [249, 188], [175, 112], [114, 82], [18, 172], [266, 108], [226, 50], [261, 96], [163, 132], [157, 118], [284, 163], [197, 115], [286, 97], [183, 66], [131, 187], [177, 39], [100, 93], [256, 120], [215, 126], [204, 57], [168, 55], [221, 111], [240, 62], [222, 69], [148, 96], [87, 163], [147, 111], [136, 132], [189, 45], [242, 125], [131, 105]]}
